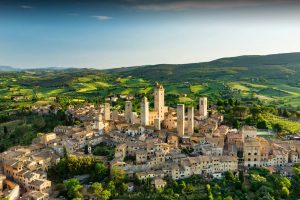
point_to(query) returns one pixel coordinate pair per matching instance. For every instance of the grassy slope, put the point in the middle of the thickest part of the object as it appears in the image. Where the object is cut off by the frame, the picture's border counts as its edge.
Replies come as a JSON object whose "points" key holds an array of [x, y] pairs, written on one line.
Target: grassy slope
{"points": [[273, 78]]}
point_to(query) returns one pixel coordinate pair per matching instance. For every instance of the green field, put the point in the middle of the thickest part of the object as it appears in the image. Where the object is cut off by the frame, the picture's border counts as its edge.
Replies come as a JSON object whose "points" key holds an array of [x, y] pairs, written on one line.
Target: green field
{"points": [[288, 126]]}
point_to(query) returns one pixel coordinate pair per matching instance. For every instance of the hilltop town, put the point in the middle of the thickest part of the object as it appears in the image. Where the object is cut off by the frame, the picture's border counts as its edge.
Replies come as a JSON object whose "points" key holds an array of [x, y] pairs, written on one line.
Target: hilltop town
{"points": [[156, 143]]}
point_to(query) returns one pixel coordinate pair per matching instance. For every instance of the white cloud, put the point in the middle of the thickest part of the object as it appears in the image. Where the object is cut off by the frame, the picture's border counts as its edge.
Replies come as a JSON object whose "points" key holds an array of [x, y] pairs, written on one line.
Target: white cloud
{"points": [[205, 4], [102, 17], [26, 6]]}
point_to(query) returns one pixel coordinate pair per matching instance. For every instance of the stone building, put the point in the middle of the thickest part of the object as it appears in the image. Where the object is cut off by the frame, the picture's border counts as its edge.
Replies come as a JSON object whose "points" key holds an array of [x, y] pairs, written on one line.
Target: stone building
{"points": [[252, 152], [248, 131]]}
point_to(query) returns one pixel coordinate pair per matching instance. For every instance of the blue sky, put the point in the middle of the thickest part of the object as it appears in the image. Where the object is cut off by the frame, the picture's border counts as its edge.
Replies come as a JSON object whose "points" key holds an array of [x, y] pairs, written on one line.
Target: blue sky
{"points": [[107, 34]]}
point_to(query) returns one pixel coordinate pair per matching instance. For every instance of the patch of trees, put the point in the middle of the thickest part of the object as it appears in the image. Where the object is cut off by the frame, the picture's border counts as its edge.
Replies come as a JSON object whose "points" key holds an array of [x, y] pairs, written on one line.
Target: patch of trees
{"points": [[104, 150], [24, 131]]}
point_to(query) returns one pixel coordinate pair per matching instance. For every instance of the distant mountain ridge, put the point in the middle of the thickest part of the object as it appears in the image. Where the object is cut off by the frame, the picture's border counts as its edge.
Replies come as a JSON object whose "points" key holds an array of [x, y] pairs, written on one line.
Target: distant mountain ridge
{"points": [[12, 69], [275, 66], [284, 67], [8, 69]]}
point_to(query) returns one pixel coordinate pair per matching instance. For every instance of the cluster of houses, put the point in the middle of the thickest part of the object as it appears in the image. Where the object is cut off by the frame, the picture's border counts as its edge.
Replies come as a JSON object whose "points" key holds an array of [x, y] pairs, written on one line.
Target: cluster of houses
{"points": [[153, 143]]}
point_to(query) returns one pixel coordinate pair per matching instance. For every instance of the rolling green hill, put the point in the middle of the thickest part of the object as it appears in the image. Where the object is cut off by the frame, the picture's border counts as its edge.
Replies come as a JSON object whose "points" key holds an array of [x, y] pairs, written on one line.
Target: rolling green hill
{"points": [[277, 66], [273, 78]]}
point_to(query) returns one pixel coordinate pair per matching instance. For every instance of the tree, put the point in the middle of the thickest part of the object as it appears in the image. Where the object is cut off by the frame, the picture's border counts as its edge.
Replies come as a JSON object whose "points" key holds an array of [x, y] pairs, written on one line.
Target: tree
{"points": [[209, 193], [189, 189], [264, 192], [285, 182], [86, 149], [111, 187], [241, 111], [278, 128], [241, 176], [230, 101], [236, 124], [262, 124], [257, 181], [124, 187], [100, 171], [5, 130], [95, 190], [285, 113], [117, 175], [73, 188], [228, 198], [182, 186], [105, 195], [229, 176], [297, 170], [220, 102], [284, 192], [255, 111]]}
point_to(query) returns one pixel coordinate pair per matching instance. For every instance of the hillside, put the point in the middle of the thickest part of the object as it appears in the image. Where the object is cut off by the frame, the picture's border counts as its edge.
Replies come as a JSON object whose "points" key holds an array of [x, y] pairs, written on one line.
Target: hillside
{"points": [[277, 66], [272, 78]]}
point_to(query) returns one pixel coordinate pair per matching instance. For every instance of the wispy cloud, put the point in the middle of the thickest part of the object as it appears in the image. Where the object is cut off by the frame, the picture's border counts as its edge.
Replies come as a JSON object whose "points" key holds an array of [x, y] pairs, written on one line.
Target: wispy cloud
{"points": [[26, 6], [176, 5], [101, 17]]}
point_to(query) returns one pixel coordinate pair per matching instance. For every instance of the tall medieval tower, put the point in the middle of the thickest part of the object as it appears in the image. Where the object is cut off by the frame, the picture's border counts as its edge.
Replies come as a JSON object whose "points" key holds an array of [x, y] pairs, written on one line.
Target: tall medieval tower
{"points": [[180, 119], [107, 111], [128, 111], [190, 121], [98, 124], [159, 101], [145, 112], [203, 107]]}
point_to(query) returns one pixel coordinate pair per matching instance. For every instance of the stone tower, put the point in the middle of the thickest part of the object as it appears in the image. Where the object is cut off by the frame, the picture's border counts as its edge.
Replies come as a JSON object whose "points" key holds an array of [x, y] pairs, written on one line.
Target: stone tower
{"points": [[180, 119], [145, 112], [157, 126], [203, 107], [190, 121], [99, 125], [128, 111], [106, 111], [159, 100], [115, 115]]}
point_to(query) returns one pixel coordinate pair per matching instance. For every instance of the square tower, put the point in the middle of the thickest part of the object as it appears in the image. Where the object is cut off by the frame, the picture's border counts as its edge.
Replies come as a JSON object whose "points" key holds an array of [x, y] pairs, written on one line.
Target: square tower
{"points": [[159, 101], [145, 112], [180, 119], [203, 107], [128, 111], [157, 126], [115, 115], [190, 121], [107, 111]]}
